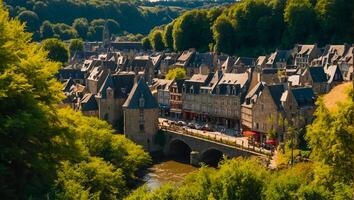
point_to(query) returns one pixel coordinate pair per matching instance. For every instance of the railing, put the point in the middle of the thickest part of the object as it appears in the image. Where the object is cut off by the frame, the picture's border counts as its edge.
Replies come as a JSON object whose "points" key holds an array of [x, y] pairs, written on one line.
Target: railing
{"points": [[223, 139]]}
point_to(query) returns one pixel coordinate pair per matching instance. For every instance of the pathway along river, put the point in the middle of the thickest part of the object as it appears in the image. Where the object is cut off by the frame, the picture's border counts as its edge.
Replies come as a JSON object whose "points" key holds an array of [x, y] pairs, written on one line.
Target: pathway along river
{"points": [[167, 170]]}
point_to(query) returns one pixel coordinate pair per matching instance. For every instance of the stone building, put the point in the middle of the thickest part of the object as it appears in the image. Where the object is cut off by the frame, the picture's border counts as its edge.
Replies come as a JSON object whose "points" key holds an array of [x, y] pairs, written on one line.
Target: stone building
{"points": [[304, 54], [267, 112], [176, 98], [317, 78], [112, 96], [141, 113]]}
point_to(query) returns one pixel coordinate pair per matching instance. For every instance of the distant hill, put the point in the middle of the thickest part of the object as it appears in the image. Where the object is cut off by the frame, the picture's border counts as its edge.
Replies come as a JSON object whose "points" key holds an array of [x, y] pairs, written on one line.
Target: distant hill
{"points": [[68, 19]]}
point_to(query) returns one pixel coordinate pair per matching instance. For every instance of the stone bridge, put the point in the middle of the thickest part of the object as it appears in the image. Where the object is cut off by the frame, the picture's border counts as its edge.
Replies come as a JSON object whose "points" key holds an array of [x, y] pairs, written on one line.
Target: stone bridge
{"points": [[205, 150]]}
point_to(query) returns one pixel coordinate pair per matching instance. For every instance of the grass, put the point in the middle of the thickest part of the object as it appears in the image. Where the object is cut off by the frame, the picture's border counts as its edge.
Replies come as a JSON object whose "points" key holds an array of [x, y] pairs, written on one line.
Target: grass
{"points": [[337, 95]]}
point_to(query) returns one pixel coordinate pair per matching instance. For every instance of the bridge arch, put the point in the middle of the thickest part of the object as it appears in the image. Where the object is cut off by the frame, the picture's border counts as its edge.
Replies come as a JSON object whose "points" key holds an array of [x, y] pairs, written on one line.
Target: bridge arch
{"points": [[179, 149], [211, 156]]}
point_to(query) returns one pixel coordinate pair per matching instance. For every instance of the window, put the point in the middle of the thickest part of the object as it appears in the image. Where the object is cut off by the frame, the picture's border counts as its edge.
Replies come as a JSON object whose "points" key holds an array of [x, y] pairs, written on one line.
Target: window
{"points": [[141, 127], [141, 121], [141, 102]]}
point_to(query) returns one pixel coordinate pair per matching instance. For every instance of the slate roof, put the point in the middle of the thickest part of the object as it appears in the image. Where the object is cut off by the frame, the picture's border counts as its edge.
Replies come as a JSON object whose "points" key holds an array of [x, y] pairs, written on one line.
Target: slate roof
{"points": [[332, 71], [304, 96], [141, 90], [252, 96], [67, 85], [88, 102], [121, 83], [277, 56], [276, 91], [317, 74], [305, 49], [294, 80]]}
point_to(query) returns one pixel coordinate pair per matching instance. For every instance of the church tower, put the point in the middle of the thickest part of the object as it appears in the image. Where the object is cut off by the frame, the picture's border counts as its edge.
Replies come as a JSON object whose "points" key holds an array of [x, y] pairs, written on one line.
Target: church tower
{"points": [[141, 113], [106, 36]]}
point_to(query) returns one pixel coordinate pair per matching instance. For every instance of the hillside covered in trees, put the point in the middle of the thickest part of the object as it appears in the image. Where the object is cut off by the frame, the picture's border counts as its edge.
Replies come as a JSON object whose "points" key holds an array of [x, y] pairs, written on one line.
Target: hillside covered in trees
{"points": [[85, 19], [255, 27], [47, 152]]}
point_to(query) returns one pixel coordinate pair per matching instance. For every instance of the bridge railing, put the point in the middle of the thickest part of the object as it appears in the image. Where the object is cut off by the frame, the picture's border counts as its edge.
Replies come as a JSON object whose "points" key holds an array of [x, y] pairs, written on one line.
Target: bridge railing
{"points": [[224, 139]]}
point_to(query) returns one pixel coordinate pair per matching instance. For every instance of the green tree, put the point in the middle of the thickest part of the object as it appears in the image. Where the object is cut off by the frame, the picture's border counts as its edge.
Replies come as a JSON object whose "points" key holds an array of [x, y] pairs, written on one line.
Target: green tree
{"points": [[301, 22], [46, 30], [81, 25], [31, 19], [156, 40], [223, 33], [177, 73], [29, 94], [336, 17], [192, 30], [93, 179], [330, 137], [167, 36], [146, 43], [57, 50], [76, 45]]}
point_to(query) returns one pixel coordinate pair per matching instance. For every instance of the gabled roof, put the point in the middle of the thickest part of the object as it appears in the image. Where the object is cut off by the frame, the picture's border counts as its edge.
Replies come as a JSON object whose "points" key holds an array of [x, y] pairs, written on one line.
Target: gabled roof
{"points": [[304, 96], [294, 80], [141, 91], [88, 102], [306, 49], [121, 84], [317, 74], [332, 71], [67, 85], [252, 96], [276, 91]]}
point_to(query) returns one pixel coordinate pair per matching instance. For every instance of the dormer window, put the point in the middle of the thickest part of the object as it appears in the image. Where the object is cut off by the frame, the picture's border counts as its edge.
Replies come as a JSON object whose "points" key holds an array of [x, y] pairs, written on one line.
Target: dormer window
{"points": [[228, 89]]}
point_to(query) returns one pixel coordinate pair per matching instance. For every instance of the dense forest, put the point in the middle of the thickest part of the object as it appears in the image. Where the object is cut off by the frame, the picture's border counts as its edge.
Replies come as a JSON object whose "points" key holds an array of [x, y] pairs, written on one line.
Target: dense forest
{"points": [[67, 19], [48, 152], [255, 27]]}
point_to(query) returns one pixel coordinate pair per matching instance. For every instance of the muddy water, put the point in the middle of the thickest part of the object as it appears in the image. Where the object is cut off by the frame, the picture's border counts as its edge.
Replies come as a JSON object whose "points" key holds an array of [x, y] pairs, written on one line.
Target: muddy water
{"points": [[167, 171]]}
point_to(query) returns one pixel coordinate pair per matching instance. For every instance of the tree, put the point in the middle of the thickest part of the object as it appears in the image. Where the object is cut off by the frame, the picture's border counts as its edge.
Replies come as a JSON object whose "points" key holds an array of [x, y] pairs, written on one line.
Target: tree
{"points": [[146, 43], [30, 139], [167, 36], [156, 40], [192, 30], [81, 25], [177, 73], [223, 33], [57, 50], [31, 19], [76, 45], [46, 30], [334, 152], [93, 179], [301, 22]]}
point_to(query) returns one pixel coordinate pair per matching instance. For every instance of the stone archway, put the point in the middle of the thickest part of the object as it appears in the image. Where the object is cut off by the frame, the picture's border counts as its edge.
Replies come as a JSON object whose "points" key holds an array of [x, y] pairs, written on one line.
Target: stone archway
{"points": [[179, 150], [211, 157]]}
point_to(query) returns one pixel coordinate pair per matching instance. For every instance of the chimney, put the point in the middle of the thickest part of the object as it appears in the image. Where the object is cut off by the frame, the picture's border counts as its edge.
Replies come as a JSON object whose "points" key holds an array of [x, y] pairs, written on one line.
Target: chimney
{"points": [[289, 85]]}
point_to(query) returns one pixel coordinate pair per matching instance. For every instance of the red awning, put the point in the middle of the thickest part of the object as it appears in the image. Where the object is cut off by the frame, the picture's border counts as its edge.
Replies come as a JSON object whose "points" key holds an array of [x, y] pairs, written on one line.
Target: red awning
{"points": [[273, 142], [249, 133]]}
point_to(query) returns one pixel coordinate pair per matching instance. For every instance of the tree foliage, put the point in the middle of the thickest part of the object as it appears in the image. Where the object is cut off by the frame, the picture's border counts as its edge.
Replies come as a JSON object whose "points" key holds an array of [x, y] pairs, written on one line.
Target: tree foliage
{"points": [[177, 73], [47, 152], [156, 40], [253, 27], [76, 45], [122, 16], [57, 50]]}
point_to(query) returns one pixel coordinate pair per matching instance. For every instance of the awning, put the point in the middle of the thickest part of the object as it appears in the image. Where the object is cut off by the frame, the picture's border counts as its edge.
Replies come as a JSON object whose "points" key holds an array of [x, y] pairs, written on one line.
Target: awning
{"points": [[272, 142], [249, 133]]}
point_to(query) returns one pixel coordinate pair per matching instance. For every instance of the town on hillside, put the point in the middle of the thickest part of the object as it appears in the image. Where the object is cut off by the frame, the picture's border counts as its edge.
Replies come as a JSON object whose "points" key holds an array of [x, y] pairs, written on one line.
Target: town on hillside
{"points": [[237, 97]]}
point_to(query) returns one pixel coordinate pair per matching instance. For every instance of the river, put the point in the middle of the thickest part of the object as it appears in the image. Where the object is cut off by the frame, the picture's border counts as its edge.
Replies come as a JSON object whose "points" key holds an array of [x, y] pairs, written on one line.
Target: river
{"points": [[167, 171]]}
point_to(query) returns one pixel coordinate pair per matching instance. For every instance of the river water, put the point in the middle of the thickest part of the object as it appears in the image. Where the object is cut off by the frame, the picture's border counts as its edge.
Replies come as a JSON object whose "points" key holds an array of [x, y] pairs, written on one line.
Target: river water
{"points": [[167, 171]]}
